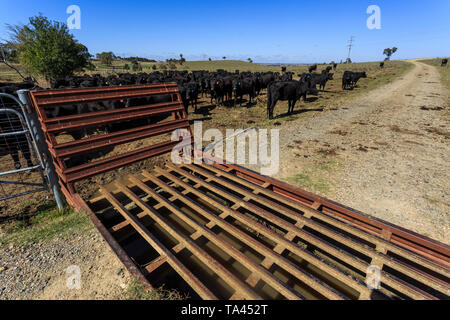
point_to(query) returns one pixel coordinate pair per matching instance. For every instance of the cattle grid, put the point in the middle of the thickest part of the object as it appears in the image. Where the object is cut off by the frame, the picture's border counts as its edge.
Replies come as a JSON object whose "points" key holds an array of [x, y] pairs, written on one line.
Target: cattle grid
{"points": [[219, 231]]}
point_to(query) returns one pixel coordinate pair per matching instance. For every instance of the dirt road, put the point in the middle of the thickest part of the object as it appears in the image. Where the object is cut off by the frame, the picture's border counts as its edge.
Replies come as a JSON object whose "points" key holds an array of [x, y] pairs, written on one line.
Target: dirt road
{"points": [[385, 154]]}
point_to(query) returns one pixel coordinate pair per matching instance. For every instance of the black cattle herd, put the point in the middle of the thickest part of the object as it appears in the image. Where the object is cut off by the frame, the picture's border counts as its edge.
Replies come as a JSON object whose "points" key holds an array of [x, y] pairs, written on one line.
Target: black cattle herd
{"points": [[222, 88]]}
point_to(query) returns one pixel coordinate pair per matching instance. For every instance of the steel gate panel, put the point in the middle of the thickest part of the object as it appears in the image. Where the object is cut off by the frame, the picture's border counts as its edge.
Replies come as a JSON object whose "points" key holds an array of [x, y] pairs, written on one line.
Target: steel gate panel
{"points": [[16, 141]]}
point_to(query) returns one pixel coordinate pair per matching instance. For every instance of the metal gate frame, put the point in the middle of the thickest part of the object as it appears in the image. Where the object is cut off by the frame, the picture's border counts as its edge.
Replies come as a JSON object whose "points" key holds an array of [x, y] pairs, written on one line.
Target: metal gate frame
{"points": [[33, 149], [48, 99]]}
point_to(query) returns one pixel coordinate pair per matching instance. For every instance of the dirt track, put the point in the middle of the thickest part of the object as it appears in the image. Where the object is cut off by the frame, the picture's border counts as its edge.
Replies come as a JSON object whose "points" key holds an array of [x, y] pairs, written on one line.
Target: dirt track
{"points": [[388, 152]]}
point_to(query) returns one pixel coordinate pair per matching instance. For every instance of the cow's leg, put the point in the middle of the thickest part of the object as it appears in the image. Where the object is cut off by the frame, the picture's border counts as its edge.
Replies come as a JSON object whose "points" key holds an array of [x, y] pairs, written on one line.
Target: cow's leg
{"points": [[15, 156]]}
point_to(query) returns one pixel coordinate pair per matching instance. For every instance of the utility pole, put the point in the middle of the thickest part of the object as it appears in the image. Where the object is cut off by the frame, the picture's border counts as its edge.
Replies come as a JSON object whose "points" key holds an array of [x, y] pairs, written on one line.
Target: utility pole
{"points": [[350, 45]]}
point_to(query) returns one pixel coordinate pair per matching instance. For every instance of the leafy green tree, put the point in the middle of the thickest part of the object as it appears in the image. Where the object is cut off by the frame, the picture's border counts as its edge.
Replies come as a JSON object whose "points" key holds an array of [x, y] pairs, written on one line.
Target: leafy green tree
{"points": [[106, 58], [46, 48], [250, 60], [224, 57], [209, 59], [126, 66], [154, 67], [388, 52]]}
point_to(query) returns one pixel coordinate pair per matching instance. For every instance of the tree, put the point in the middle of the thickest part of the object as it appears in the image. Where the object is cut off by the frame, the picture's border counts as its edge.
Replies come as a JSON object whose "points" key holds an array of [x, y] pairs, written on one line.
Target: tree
{"points": [[250, 60], [106, 58], [46, 48], [182, 59], [126, 66], [209, 59], [224, 57], [388, 52], [154, 67]]}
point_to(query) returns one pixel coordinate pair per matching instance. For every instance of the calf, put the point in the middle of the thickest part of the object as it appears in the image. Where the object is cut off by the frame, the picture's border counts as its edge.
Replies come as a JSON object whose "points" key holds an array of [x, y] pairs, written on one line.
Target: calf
{"points": [[444, 62]]}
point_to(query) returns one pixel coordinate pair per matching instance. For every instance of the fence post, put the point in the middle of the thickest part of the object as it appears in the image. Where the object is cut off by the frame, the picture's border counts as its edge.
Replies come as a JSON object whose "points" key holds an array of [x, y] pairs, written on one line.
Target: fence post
{"points": [[38, 136]]}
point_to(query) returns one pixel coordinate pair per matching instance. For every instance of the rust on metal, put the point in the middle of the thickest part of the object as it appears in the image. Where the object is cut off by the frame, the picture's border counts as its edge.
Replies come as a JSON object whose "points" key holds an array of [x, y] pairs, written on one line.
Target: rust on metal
{"points": [[244, 240], [49, 100], [219, 231]]}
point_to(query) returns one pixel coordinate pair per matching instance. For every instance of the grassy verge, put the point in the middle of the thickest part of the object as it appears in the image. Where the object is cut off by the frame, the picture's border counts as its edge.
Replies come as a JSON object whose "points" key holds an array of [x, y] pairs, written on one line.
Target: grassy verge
{"points": [[444, 71], [137, 291], [317, 175], [44, 226]]}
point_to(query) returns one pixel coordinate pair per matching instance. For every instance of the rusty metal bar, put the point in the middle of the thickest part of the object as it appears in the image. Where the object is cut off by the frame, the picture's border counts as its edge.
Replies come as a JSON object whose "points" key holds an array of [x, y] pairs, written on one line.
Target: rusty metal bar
{"points": [[158, 246], [286, 225], [78, 147], [192, 246], [201, 230], [315, 283], [58, 97], [410, 240], [319, 215], [425, 278], [100, 166], [355, 262], [273, 235], [94, 119]]}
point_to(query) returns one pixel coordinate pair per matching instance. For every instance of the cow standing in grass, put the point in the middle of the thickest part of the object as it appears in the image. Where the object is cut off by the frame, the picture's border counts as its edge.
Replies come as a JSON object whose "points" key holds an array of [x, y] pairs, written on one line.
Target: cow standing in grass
{"points": [[444, 62], [350, 78], [286, 90]]}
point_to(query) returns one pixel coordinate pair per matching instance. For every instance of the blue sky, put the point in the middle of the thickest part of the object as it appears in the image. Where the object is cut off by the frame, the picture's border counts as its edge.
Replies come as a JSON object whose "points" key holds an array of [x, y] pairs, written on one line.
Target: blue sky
{"points": [[266, 31]]}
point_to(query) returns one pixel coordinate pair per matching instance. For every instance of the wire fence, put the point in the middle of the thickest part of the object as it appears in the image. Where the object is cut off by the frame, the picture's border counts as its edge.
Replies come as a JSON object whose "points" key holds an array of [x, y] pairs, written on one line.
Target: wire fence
{"points": [[20, 166]]}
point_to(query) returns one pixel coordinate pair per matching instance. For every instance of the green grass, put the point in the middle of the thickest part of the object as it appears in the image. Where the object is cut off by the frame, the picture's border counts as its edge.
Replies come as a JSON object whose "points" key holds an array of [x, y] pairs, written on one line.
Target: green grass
{"points": [[137, 291], [316, 176], [45, 225]]}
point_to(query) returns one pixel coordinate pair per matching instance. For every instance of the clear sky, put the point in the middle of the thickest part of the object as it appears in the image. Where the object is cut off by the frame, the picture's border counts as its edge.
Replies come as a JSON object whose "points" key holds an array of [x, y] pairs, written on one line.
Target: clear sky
{"points": [[267, 31]]}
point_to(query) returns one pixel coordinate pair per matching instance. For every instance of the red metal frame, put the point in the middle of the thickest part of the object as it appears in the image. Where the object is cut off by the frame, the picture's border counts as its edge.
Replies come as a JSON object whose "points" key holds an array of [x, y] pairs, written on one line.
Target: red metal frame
{"points": [[50, 99]]}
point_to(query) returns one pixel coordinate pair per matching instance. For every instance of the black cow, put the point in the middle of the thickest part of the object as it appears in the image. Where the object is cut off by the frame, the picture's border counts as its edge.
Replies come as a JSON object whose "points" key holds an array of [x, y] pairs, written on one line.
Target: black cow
{"points": [[381, 65], [321, 79], [244, 86], [192, 95], [312, 68], [349, 79], [287, 90], [444, 62], [334, 66]]}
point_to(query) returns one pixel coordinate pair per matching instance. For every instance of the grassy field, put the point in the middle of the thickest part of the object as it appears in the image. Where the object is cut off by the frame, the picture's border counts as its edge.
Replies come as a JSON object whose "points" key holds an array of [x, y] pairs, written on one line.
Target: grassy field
{"points": [[256, 114]]}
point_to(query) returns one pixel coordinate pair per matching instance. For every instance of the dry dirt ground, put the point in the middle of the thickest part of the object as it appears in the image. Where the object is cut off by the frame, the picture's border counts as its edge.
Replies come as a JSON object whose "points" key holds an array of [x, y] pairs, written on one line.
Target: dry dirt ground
{"points": [[385, 154]]}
